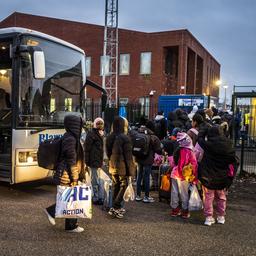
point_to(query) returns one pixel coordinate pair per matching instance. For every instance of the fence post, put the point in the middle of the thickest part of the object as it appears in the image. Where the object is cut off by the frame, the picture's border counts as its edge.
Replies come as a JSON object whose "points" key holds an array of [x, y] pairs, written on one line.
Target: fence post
{"points": [[242, 153]]}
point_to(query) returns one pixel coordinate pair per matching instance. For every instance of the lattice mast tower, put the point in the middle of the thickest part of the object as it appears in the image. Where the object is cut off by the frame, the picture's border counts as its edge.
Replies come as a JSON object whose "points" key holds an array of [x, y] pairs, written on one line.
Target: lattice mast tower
{"points": [[110, 52]]}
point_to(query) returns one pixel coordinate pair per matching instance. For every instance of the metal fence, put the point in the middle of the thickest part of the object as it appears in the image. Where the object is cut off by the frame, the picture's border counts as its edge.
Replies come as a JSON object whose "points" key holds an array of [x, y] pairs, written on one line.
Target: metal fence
{"points": [[246, 151]]}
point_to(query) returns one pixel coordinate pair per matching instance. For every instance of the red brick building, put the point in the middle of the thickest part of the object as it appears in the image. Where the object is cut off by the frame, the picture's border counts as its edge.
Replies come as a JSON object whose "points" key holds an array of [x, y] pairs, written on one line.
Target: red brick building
{"points": [[174, 61]]}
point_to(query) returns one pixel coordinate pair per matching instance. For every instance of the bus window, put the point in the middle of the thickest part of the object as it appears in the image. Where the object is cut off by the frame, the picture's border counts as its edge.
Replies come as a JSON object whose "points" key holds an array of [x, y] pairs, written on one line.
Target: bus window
{"points": [[44, 103]]}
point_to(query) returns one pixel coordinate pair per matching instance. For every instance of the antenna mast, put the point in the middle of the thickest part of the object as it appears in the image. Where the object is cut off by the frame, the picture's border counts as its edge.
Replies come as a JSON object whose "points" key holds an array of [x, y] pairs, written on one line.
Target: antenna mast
{"points": [[110, 52]]}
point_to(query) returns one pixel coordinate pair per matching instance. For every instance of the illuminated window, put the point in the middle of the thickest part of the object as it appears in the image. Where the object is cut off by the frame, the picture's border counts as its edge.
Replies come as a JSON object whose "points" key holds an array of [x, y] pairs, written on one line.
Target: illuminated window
{"points": [[124, 68], [88, 61], [68, 104], [145, 63], [52, 105], [104, 65]]}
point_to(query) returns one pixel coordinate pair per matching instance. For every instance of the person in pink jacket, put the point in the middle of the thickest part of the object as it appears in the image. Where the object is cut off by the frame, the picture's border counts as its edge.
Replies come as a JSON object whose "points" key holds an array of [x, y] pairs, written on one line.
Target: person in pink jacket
{"points": [[184, 163]]}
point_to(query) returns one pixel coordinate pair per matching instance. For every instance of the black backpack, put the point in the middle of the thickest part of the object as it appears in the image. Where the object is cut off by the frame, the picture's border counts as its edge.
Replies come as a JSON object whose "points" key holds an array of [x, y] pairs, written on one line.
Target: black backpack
{"points": [[158, 128], [141, 144], [48, 153]]}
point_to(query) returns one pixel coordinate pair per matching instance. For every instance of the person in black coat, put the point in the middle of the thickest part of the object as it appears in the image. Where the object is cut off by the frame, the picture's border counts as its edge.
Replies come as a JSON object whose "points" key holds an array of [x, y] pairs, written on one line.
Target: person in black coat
{"points": [[93, 149], [70, 166], [215, 171], [121, 164], [145, 163]]}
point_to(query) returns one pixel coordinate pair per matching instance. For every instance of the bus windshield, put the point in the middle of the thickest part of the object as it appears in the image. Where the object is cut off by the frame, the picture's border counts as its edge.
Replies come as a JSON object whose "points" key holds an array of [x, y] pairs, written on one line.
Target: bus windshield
{"points": [[44, 103]]}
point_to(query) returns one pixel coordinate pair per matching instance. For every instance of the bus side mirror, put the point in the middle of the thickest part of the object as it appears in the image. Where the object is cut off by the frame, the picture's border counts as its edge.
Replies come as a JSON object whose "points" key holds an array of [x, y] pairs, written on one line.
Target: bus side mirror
{"points": [[38, 61], [103, 102], [37, 56]]}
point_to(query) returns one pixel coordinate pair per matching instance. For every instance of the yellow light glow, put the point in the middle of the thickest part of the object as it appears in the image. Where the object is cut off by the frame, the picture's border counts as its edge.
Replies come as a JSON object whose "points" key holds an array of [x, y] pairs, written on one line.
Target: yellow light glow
{"points": [[32, 42], [3, 72], [30, 159], [3, 47], [218, 82]]}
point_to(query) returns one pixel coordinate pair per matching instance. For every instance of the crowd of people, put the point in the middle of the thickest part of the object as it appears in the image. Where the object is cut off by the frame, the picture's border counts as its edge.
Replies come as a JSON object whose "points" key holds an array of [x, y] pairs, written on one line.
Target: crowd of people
{"points": [[198, 141]]}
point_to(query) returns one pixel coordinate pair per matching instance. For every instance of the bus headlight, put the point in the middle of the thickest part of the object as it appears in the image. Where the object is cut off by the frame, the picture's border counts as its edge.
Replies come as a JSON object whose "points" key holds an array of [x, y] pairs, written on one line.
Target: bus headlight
{"points": [[28, 157]]}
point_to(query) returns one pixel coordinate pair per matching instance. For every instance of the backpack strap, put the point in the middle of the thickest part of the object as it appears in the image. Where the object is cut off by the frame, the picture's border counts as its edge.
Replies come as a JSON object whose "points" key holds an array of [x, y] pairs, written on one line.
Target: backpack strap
{"points": [[195, 131]]}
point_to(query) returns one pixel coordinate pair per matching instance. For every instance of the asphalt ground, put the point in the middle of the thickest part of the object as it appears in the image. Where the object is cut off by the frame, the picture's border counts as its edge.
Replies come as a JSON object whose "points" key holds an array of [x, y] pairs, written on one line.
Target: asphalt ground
{"points": [[147, 229]]}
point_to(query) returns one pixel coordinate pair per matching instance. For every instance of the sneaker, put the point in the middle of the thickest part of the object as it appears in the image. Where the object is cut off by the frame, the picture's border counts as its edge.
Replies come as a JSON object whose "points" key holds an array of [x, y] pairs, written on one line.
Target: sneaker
{"points": [[117, 214], [176, 212], [148, 199], [111, 211], [50, 218], [185, 214], [122, 211], [138, 198], [220, 219], [76, 230], [209, 221]]}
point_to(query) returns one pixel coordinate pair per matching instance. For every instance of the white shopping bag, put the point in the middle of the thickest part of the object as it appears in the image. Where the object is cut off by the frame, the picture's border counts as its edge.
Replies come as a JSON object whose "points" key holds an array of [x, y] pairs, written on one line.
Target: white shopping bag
{"points": [[195, 203], [129, 192], [74, 202]]}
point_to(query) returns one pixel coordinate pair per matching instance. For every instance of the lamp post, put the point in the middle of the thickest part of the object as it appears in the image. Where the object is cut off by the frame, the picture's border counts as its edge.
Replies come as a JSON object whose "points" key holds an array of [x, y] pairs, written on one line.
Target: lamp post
{"points": [[225, 96]]}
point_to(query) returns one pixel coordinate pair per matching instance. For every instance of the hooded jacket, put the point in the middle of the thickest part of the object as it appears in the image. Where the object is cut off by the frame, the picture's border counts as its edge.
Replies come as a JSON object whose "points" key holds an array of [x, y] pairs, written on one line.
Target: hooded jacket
{"points": [[72, 157], [119, 149], [214, 167], [93, 149]]}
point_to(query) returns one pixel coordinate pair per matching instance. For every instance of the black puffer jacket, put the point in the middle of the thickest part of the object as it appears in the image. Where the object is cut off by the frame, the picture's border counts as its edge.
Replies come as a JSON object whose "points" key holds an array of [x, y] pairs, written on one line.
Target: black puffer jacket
{"points": [[154, 147], [218, 155], [72, 157], [94, 149], [119, 149]]}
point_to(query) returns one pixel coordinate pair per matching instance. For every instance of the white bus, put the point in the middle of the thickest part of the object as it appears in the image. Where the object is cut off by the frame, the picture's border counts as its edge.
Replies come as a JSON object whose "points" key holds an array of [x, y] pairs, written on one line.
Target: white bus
{"points": [[42, 78]]}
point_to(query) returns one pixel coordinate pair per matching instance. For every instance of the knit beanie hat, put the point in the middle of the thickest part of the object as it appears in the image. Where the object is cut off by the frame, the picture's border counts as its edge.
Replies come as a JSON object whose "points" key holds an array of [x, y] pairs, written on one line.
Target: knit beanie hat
{"points": [[184, 140], [98, 123]]}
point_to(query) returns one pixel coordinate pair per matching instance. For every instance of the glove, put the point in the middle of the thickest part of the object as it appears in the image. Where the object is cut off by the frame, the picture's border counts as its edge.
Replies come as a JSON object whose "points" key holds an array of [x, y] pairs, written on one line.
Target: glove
{"points": [[74, 183]]}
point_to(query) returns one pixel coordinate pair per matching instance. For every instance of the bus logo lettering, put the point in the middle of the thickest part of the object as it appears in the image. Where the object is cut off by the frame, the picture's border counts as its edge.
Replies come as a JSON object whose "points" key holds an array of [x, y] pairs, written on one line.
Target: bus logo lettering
{"points": [[43, 137]]}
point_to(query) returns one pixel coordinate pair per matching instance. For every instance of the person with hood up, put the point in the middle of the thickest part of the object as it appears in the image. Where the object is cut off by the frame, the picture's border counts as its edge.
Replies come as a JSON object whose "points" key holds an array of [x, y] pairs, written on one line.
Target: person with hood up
{"points": [[70, 166], [93, 149], [121, 164], [215, 171], [192, 113], [145, 163], [184, 159], [160, 124]]}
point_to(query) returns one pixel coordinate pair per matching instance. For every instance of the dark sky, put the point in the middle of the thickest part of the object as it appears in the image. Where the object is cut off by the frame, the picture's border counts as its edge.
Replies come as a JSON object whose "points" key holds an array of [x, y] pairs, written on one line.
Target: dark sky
{"points": [[227, 28]]}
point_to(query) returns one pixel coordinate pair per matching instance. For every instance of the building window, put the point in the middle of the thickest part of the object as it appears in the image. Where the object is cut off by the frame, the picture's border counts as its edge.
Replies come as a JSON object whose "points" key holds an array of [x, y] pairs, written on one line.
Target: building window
{"points": [[124, 68], [145, 63], [123, 101], [104, 65], [144, 106], [68, 104], [52, 105], [88, 61]]}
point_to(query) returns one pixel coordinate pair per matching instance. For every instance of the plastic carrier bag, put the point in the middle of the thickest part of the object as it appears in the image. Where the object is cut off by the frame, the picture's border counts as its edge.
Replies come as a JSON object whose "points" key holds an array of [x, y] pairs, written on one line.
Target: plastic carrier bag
{"points": [[195, 203], [129, 192], [74, 202]]}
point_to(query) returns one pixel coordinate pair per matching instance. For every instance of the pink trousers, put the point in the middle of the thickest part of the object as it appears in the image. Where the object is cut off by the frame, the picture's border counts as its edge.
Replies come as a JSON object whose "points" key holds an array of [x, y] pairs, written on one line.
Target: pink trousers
{"points": [[220, 198]]}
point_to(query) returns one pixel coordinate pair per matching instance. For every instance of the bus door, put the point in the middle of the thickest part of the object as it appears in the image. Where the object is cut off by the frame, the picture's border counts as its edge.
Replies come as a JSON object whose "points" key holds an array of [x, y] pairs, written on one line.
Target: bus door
{"points": [[5, 110]]}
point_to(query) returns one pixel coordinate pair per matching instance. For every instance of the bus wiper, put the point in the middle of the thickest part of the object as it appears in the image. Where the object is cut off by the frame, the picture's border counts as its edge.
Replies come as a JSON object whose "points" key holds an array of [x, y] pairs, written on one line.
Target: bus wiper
{"points": [[39, 130], [64, 89]]}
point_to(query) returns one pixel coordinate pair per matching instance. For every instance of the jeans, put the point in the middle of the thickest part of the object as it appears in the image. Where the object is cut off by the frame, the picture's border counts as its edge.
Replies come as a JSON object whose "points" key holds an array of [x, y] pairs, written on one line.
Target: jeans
{"points": [[221, 201], [97, 185], [119, 186], [179, 192], [70, 224], [144, 172]]}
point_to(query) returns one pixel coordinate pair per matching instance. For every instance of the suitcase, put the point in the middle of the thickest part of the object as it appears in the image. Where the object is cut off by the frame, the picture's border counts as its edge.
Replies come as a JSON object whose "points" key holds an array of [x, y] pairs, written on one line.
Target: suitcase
{"points": [[164, 169], [106, 183]]}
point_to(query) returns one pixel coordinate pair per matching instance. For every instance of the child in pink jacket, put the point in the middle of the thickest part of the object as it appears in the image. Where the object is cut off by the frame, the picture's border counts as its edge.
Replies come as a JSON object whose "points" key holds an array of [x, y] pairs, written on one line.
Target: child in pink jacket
{"points": [[183, 157]]}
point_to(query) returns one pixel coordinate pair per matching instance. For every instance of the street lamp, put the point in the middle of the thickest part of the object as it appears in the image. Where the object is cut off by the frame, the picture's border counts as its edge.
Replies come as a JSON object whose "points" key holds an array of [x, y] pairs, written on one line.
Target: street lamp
{"points": [[225, 96]]}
